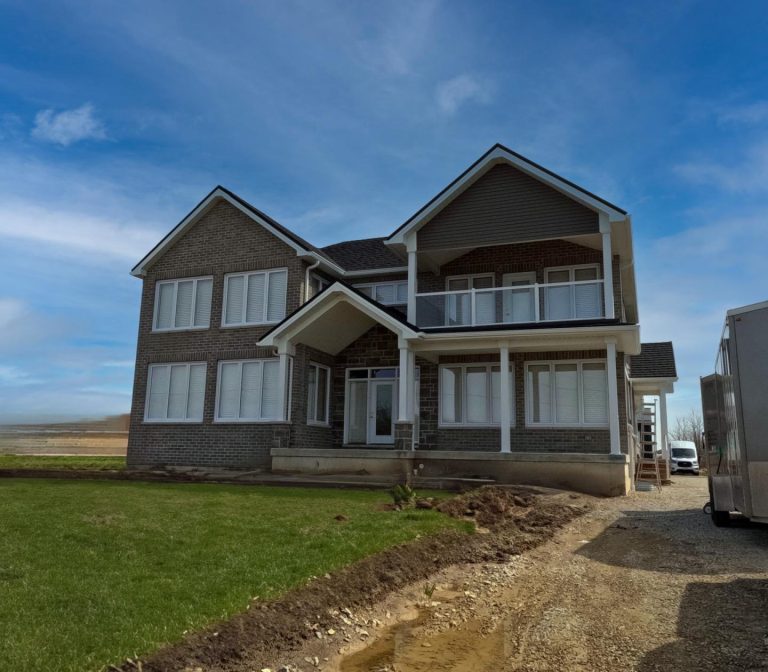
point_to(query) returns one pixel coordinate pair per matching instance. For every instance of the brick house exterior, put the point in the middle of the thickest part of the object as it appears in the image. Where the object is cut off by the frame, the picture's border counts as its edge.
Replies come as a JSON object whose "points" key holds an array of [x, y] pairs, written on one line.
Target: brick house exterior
{"points": [[395, 372]]}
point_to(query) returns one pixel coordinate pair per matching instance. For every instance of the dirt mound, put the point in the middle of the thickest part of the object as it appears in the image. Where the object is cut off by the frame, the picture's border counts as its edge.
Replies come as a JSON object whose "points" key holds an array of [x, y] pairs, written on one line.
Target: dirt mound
{"points": [[267, 631], [489, 505]]}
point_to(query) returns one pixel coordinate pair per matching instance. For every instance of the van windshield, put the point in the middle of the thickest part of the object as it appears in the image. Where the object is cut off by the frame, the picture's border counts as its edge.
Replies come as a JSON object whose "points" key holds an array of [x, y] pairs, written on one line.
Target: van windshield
{"points": [[683, 452]]}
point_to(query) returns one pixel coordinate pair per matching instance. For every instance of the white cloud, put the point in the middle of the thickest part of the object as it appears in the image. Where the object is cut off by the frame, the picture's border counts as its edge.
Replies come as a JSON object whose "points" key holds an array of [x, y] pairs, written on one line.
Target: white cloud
{"points": [[69, 126], [750, 174], [452, 94], [750, 114], [73, 231]]}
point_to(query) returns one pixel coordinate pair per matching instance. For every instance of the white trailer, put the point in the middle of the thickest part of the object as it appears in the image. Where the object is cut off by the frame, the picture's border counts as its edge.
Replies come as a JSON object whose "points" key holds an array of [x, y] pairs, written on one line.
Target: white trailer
{"points": [[735, 408]]}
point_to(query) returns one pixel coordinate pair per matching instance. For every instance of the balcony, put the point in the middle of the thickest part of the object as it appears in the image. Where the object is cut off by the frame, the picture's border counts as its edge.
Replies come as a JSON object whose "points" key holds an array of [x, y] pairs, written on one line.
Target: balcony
{"points": [[518, 304]]}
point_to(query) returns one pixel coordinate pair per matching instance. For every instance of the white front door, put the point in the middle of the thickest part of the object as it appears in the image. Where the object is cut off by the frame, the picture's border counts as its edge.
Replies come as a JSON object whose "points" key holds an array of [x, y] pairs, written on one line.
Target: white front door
{"points": [[382, 405]]}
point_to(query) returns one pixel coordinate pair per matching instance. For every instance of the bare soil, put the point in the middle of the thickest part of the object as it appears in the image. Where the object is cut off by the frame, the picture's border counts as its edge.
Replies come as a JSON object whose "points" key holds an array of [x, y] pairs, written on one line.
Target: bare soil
{"points": [[641, 583], [304, 628]]}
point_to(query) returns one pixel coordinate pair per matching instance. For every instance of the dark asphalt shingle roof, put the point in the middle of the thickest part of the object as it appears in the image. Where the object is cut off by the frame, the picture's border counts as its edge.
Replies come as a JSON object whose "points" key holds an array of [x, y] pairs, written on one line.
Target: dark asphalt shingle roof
{"points": [[656, 360], [360, 255]]}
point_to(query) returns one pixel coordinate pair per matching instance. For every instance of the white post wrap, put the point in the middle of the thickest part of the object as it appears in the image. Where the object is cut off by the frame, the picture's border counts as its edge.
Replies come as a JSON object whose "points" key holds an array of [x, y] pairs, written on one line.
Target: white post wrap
{"points": [[505, 419], [402, 398], [283, 383], [412, 272], [608, 275], [613, 397], [663, 424]]}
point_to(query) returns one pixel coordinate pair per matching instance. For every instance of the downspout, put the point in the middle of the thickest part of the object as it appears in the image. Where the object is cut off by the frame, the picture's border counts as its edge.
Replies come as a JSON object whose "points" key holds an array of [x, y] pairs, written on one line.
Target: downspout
{"points": [[310, 268]]}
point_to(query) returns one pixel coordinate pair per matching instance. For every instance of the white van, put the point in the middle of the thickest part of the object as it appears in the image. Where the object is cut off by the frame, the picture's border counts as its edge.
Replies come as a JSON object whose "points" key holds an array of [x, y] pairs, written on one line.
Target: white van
{"points": [[683, 457]]}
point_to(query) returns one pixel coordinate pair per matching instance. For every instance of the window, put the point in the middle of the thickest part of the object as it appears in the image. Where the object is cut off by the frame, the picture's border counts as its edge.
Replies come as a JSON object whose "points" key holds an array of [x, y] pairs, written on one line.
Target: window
{"points": [[255, 298], [319, 393], [470, 395], [567, 394], [577, 292], [460, 305], [318, 283], [248, 391], [175, 393], [183, 304], [387, 293]]}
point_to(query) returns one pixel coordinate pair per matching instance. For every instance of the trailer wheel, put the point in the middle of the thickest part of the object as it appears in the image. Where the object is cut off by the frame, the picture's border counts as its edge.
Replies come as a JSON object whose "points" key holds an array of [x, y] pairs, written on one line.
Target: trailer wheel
{"points": [[721, 518]]}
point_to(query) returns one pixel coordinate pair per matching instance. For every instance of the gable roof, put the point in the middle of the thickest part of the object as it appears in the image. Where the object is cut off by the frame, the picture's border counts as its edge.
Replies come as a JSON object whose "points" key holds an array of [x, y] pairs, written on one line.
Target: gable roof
{"points": [[495, 155], [656, 360], [358, 255], [301, 246]]}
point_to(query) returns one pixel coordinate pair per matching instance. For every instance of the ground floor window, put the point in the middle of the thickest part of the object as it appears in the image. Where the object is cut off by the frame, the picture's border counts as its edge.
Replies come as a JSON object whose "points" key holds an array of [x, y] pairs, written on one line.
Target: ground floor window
{"points": [[570, 394], [470, 394], [248, 391], [319, 393], [175, 392]]}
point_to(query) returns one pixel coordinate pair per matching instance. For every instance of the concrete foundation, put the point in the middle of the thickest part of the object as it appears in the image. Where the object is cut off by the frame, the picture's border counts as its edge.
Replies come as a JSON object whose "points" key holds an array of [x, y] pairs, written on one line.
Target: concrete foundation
{"points": [[594, 474]]}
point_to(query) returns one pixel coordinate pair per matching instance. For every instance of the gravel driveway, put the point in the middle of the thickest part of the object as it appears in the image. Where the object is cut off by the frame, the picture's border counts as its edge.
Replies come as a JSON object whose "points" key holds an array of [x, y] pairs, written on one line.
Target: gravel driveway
{"points": [[644, 582]]}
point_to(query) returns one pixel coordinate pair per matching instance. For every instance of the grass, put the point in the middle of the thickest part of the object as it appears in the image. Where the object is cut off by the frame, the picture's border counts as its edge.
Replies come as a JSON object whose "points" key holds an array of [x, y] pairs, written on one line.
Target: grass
{"points": [[61, 462], [94, 572]]}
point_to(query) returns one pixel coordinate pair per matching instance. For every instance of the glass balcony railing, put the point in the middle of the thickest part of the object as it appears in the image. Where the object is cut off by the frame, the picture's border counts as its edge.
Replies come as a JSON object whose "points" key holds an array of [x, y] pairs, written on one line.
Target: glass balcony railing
{"points": [[518, 304]]}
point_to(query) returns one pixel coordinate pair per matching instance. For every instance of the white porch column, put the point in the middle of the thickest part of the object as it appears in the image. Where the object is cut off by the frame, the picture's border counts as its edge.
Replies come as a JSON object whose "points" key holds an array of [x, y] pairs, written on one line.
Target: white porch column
{"points": [[403, 384], [411, 386], [663, 424], [613, 397], [412, 272], [607, 270], [505, 419], [283, 382]]}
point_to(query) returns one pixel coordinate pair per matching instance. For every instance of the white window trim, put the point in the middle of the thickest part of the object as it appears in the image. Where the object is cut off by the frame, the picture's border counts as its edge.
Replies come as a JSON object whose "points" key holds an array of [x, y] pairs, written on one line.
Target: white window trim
{"points": [[554, 425], [470, 277], [573, 268], [245, 274], [311, 421], [373, 285], [166, 421], [176, 282], [252, 421], [489, 366]]}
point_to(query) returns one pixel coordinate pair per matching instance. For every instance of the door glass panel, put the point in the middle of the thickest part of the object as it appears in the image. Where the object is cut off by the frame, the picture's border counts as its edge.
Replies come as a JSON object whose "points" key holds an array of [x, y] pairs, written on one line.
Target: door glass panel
{"points": [[358, 412], [384, 398]]}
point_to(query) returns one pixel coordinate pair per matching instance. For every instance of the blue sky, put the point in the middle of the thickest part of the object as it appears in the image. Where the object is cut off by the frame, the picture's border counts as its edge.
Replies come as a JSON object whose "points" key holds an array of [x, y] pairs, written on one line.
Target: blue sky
{"points": [[340, 119]]}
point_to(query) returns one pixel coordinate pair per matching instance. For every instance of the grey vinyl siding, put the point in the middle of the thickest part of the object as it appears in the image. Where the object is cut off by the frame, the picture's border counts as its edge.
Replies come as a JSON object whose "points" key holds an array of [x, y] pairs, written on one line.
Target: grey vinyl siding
{"points": [[505, 206]]}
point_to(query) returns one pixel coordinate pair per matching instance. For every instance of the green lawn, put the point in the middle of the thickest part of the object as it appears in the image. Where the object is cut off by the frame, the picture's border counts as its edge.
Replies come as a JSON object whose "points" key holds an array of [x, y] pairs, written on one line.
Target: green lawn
{"points": [[61, 462], [93, 572]]}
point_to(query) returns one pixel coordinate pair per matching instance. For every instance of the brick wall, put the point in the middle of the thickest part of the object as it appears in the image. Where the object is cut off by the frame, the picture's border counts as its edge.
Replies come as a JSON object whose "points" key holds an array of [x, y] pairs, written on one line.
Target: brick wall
{"points": [[224, 241]]}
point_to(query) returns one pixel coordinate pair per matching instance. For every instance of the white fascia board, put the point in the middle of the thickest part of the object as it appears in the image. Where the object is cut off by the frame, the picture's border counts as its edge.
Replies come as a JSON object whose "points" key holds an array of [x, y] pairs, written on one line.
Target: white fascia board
{"points": [[499, 155], [140, 269], [628, 337], [375, 271], [331, 296]]}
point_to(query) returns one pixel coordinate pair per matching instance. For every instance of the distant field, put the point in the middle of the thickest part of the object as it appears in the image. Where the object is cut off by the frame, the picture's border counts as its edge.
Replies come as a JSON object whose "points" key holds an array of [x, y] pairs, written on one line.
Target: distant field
{"points": [[66, 462], [99, 437]]}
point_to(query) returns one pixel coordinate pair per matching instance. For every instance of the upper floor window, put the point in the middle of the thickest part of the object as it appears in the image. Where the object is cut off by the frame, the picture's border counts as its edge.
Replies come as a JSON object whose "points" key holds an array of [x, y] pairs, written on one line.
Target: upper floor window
{"points": [[175, 393], [569, 394], [387, 293], [573, 292], [255, 298], [318, 283], [183, 304]]}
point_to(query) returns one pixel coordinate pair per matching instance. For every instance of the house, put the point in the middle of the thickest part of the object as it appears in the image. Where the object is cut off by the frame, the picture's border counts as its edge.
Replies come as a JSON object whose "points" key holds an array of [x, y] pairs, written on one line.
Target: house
{"points": [[258, 350]]}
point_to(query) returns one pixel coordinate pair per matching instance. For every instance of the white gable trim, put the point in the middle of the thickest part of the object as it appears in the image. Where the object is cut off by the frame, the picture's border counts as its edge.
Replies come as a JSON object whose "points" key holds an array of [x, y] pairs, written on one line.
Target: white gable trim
{"points": [[496, 156], [329, 298], [193, 217]]}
